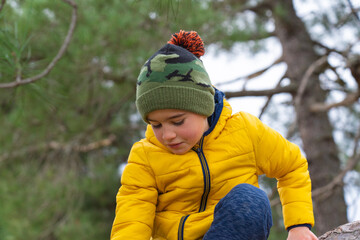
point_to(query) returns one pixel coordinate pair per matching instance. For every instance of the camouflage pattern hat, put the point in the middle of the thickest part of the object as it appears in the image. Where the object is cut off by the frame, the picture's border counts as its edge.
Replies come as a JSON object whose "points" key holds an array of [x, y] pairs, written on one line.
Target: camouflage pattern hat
{"points": [[175, 78]]}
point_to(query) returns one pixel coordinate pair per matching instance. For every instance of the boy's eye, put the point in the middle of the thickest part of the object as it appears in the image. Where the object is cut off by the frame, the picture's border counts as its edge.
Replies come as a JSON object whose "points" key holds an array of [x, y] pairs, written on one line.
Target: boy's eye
{"points": [[178, 123], [156, 125]]}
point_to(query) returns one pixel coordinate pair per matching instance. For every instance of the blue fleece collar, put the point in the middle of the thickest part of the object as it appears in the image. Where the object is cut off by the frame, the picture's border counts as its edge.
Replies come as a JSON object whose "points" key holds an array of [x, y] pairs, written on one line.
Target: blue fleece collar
{"points": [[219, 103]]}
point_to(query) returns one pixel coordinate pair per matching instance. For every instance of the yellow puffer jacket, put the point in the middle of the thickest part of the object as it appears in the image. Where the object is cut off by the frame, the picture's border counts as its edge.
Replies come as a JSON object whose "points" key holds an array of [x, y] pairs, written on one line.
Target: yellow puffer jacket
{"points": [[170, 196]]}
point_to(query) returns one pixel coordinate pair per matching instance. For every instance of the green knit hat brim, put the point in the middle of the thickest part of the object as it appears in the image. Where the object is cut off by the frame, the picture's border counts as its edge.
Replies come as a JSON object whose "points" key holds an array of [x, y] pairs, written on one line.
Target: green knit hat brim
{"points": [[179, 97]]}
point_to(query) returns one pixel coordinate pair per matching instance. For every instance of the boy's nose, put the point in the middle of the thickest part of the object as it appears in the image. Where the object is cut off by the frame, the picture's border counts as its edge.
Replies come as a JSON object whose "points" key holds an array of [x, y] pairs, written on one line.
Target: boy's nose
{"points": [[168, 134]]}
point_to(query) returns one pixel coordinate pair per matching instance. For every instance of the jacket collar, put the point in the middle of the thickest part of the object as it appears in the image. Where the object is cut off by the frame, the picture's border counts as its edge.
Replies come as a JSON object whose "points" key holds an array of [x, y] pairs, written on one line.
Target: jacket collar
{"points": [[218, 120]]}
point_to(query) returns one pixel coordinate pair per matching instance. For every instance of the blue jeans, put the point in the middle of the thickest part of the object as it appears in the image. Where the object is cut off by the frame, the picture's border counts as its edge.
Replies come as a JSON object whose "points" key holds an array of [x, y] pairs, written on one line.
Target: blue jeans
{"points": [[243, 214]]}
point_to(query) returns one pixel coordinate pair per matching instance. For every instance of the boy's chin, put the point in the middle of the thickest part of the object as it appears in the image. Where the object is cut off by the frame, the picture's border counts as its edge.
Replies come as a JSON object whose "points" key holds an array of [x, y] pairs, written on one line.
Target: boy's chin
{"points": [[179, 151]]}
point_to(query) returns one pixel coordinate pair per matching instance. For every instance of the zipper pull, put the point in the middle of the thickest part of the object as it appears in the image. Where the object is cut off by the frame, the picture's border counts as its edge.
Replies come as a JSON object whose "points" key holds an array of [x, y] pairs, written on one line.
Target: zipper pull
{"points": [[196, 148]]}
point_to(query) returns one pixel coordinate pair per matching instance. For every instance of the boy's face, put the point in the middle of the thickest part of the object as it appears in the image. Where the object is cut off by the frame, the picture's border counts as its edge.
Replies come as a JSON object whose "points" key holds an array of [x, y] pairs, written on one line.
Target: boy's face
{"points": [[177, 130]]}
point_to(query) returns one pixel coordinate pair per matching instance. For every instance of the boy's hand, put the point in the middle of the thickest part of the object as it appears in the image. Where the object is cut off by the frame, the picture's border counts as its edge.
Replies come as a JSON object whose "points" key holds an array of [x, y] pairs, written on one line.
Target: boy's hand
{"points": [[301, 233]]}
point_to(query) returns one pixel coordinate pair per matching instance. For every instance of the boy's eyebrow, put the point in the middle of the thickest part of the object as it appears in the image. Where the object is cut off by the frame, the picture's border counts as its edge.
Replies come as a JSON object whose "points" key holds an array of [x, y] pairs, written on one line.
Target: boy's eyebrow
{"points": [[169, 118]]}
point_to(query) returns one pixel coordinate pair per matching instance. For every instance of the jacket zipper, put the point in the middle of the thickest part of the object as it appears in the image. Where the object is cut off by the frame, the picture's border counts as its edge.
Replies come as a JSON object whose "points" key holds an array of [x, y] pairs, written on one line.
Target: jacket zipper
{"points": [[207, 186], [206, 174], [181, 227]]}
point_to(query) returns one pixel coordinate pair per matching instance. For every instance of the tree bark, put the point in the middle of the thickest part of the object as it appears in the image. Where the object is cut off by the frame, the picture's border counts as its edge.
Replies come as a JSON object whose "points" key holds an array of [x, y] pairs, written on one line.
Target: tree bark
{"points": [[315, 128]]}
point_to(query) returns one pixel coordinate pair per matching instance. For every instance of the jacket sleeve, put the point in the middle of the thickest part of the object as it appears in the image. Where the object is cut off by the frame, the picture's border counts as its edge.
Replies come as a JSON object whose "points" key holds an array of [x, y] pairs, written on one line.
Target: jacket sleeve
{"points": [[136, 199], [278, 158]]}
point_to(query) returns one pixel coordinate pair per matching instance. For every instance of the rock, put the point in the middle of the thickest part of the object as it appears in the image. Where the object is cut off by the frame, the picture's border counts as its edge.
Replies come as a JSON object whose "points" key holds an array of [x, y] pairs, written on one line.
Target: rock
{"points": [[349, 231]]}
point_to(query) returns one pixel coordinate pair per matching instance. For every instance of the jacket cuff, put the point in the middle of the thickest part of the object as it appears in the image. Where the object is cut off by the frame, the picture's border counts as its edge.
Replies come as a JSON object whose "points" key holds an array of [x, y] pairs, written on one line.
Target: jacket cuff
{"points": [[300, 225]]}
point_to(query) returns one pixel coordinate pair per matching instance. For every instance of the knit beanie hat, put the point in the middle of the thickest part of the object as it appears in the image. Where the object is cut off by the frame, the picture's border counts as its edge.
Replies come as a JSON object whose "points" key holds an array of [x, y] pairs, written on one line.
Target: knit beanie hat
{"points": [[175, 78]]}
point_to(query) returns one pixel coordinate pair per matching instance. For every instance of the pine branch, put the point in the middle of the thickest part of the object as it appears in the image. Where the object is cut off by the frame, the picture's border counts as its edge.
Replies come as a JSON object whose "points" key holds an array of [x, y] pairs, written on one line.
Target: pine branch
{"points": [[2, 4], [306, 78], [83, 148], [262, 93], [349, 100], [19, 81], [235, 6], [57, 146], [354, 66], [269, 98], [259, 8], [354, 11]]}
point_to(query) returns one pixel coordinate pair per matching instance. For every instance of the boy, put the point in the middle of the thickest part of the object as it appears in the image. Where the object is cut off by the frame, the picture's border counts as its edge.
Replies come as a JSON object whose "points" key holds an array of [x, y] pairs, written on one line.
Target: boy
{"points": [[195, 175]]}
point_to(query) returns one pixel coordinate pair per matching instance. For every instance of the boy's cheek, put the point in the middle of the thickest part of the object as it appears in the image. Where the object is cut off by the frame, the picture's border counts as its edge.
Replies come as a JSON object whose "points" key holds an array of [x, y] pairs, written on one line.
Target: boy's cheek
{"points": [[157, 135]]}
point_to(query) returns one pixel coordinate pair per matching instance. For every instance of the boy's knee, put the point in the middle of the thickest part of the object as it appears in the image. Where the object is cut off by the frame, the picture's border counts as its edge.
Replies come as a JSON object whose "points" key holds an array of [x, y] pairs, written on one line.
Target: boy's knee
{"points": [[251, 193], [248, 193], [244, 188], [245, 211], [247, 200]]}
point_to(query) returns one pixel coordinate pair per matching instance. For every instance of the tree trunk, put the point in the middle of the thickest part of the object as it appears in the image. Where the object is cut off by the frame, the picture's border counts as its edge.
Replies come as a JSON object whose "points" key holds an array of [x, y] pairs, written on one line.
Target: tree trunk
{"points": [[315, 128]]}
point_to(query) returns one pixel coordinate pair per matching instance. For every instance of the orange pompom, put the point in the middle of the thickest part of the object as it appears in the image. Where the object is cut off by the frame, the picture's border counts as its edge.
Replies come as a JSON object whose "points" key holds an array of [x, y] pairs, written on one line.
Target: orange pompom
{"points": [[190, 41]]}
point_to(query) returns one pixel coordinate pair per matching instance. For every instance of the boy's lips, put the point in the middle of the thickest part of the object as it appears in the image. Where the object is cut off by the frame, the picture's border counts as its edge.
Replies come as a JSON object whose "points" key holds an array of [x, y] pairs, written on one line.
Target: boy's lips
{"points": [[174, 145]]}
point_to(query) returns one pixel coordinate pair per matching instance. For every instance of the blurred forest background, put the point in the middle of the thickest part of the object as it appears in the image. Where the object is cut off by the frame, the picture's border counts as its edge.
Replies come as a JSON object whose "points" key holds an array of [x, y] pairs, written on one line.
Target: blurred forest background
{"points": [[67, 86]]}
